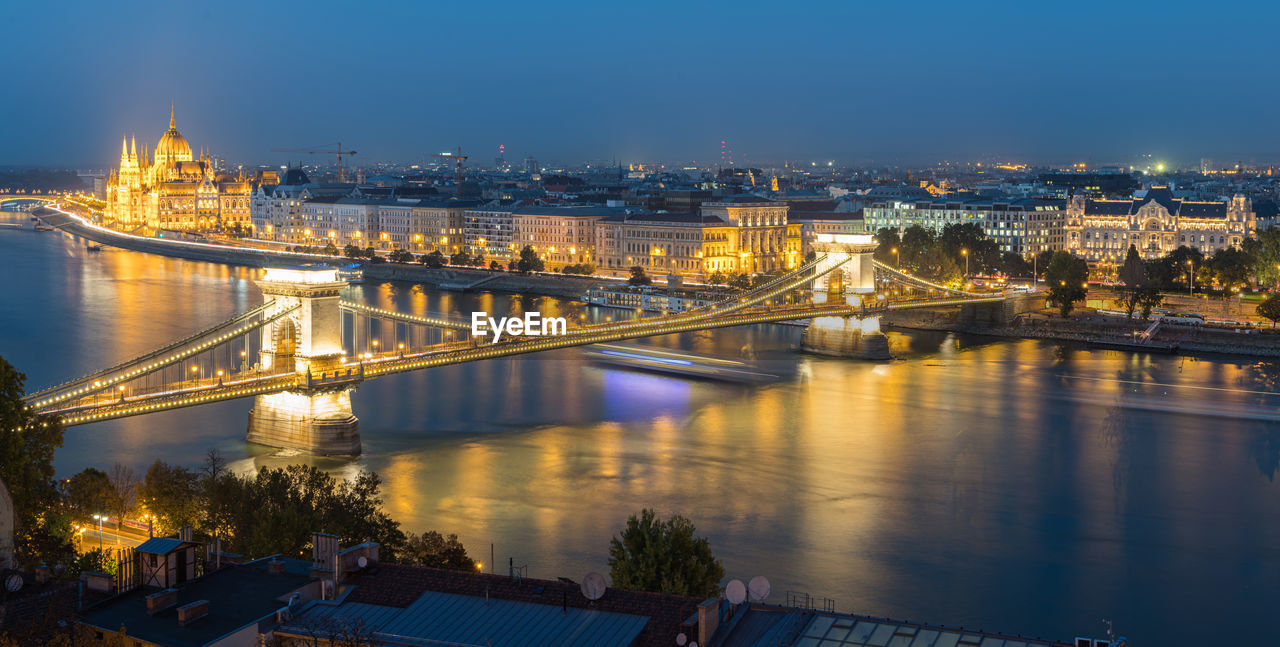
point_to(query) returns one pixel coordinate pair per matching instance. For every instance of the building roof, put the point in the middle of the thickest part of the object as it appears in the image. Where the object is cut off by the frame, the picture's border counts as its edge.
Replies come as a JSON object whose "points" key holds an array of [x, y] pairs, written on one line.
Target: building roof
{"points": [[572, 212], [159, 545], [1162, 196], [476, 620], [396, 585], [744, 199], [758, 625], [238, 596]]}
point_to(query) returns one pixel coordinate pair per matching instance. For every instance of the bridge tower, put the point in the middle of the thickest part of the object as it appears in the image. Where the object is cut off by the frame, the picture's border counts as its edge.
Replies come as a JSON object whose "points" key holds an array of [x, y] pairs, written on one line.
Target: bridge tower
{"points": [[853, 282], [308, 340]]}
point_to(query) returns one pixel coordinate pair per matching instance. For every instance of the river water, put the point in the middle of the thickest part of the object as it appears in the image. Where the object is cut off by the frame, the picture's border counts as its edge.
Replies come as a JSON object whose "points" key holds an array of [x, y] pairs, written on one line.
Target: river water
{"points": [[1020, 486]]}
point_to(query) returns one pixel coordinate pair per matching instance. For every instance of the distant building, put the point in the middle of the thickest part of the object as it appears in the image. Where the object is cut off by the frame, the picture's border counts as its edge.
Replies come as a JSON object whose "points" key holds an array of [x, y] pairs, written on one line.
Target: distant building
{"points": [[439, 224], [1095, 185], [1156, 223], [173, 189], [737, 234], [1020, 226], [490, 232], [559, 235]]}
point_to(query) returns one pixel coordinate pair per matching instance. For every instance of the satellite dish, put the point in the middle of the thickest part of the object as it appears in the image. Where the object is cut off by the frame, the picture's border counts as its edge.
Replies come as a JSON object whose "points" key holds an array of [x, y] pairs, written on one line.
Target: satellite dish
{"points": [[593, 586], [736, 591], [13, 583], [681, 639], [759, 588], [364, 561]]}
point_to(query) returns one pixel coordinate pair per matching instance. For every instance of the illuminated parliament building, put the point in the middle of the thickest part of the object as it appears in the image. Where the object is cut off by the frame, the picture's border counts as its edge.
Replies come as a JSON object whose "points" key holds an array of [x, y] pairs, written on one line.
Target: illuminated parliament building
{"points": [[172, 189]]}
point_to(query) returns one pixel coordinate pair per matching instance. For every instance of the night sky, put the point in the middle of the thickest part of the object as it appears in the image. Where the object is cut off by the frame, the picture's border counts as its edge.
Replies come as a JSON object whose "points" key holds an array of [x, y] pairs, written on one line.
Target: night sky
{"points": [[854, 82]]}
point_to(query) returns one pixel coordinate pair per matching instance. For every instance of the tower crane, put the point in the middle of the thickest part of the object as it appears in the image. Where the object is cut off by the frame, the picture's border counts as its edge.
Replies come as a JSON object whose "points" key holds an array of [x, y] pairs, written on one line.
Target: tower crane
{"points": [[459, 158], [342, 176]]}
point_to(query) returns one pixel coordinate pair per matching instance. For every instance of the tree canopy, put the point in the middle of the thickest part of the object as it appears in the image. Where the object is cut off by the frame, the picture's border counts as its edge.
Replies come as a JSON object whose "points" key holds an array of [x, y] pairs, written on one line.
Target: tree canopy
{"points": [[1066, 277], [663, 556]]}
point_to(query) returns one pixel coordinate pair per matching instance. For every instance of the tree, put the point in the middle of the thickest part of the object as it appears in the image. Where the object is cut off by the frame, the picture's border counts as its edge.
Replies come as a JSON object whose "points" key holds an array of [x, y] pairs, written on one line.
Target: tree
{"points": [[663, 557], [370, 252], [1230, 267], [742, 281], [638, 277], [89, 492], [351, 251], [888, 241], [1270, 309], [529, 261], [460, 257], [170, 493], [27, 445], [716, 278], [124, 491], [331, 249], [434, 259], [437, 551], [495, 266], [1066, 277], [1012, 264], [1133, 275], [401, 256]]}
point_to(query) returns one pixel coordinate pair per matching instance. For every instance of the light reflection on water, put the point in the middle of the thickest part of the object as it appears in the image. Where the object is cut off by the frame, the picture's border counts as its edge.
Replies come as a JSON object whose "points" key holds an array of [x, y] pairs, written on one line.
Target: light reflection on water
{"points": [[1020, 486]]}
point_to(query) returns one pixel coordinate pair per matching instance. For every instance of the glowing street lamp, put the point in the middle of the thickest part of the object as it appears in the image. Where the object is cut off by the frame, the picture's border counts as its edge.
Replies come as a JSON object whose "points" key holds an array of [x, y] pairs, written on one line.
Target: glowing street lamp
{"points": [[965, 254], [896, 258]]}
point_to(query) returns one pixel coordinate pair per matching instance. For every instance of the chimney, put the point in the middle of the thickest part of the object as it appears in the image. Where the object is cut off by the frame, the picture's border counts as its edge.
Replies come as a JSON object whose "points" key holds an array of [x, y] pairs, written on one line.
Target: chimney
{"points": [[275, 566], [708, 619], [190, 612], [157, 602], [324, 550]]}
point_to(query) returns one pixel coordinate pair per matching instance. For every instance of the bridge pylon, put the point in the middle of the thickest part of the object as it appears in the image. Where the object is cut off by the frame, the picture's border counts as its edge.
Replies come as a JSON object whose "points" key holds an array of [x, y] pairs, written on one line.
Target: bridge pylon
{"points": [[312, 419], [852, 282]]}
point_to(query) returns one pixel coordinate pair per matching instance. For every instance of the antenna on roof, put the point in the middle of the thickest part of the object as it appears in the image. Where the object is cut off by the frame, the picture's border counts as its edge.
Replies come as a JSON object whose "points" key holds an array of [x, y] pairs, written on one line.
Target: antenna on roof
{"points": [[593, 586], [759, 588], [735, 592]]}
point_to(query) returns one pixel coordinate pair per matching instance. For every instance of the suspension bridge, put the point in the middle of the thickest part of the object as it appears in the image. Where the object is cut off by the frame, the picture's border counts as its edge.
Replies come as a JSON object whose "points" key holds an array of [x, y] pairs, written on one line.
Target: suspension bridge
{"points": [[302, 352]]}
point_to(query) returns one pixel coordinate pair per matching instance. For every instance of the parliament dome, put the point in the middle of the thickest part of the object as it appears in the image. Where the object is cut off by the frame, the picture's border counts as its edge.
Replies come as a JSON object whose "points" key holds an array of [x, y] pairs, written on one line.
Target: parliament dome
{"points": [[173, 147]]}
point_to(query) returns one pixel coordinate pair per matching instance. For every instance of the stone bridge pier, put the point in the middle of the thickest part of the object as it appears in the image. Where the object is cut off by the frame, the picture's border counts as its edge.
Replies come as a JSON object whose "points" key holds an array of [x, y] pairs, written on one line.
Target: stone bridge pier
{"points": [[851, 283], [316, 420]]}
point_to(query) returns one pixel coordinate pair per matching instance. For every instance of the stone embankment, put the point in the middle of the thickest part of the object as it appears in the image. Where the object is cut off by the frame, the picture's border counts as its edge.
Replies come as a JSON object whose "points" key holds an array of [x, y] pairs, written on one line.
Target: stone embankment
{"points": [[1085, 326]]}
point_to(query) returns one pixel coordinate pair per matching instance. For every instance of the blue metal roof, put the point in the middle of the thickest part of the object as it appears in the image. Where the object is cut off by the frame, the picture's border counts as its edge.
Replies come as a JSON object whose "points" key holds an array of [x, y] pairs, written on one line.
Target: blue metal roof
{"points": [[159, 546], [472, 620]]}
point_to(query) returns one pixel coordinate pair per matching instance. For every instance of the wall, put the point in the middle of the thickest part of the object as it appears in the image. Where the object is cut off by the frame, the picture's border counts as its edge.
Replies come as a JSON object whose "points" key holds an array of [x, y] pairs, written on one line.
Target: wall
{"points": [[6, 527]]}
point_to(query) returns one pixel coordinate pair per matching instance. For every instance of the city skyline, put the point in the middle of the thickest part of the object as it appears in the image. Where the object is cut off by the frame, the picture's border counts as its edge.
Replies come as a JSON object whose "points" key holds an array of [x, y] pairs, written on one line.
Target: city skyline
{"points": [[583, 82]]}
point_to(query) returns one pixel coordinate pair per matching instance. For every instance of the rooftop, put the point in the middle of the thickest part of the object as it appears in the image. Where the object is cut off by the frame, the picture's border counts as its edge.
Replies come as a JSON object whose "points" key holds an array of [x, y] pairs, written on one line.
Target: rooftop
{"points": [[237, 595], [396, 585], [758, 625]]}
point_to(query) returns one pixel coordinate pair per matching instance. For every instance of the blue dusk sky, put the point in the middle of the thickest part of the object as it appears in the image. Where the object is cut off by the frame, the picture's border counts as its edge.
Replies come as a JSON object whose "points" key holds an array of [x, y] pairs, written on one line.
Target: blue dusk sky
{"points": [[854, 82]]}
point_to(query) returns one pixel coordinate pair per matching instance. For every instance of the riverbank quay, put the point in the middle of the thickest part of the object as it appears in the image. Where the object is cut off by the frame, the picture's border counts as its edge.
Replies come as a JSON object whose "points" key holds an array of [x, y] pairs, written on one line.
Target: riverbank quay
{"points": [[566, 287], [1087, 326]]}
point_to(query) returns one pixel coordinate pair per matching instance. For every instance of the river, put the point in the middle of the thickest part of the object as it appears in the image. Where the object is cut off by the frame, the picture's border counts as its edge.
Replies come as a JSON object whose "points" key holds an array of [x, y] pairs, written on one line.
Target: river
{"points": [[1021, 486]]}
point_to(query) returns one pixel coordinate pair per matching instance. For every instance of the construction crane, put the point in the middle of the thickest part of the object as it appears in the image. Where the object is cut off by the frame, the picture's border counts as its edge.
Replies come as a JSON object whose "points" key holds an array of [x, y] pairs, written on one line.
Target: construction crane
{"points": [[459, 158], [342, 175]]}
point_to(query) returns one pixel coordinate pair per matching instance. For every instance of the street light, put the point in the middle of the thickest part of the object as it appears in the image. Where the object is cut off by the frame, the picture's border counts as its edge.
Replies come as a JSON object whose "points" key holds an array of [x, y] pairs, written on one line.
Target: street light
{"points": [[965, 254], [896, 258], [1192, 287], [99, 517]]}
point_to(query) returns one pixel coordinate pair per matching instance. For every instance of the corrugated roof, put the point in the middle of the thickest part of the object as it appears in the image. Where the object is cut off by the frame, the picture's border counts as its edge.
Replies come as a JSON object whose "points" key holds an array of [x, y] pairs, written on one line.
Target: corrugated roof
{"points": [[159, 546]]}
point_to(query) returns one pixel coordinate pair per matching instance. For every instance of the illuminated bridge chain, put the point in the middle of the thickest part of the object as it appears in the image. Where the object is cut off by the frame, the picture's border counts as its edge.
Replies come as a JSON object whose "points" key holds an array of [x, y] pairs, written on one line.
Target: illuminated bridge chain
{"points": [[369, 332], [228, 353]]}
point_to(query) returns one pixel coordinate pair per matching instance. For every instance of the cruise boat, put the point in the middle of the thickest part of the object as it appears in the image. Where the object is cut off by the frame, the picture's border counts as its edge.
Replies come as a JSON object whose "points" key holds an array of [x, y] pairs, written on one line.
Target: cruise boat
{"points": [[659, 360]]}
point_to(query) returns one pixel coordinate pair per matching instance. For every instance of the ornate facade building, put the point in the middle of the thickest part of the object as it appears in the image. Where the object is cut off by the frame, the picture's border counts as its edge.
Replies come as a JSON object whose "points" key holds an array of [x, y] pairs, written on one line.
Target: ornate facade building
{"points": [[173, 189], [1156, 223]]}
